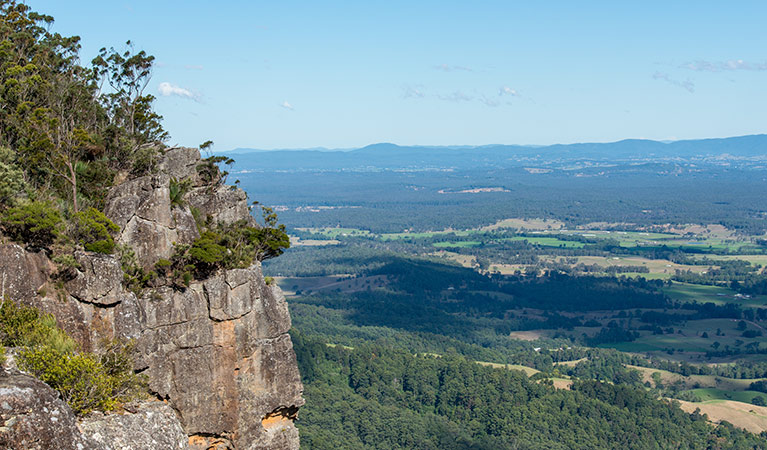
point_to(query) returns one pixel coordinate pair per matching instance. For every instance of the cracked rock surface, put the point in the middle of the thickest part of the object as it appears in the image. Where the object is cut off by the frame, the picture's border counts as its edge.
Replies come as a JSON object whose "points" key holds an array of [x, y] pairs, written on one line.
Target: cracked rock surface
{"points": [[151, 425], [34, 418], [217, 353]]}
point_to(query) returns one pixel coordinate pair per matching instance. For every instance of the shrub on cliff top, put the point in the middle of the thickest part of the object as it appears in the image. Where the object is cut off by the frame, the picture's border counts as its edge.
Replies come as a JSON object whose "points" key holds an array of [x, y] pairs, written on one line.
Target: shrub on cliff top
{"points": [[207, 253], [237, 245], [37, 224], [94, 230], [86, 381], [24, 326]]}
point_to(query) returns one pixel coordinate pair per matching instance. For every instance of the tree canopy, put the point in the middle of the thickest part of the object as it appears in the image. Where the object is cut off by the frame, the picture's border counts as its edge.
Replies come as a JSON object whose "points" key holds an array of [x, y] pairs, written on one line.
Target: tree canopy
{"points": [[69, 125]]}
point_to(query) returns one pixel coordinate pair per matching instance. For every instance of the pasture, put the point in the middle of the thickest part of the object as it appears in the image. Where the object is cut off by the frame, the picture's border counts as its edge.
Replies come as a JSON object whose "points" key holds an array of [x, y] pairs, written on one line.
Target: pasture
{"points": [[709, 394], [743, 415]]}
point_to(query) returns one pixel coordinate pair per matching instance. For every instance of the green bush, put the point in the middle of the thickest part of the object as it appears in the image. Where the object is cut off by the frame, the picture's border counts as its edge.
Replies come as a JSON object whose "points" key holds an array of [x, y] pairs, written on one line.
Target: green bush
{"points": [[178, 270], [86, 381], [79, 378], [23, 326], [37, 224], [247, 244], [206, 253], [271, 240], [163, 267], [237, 245], [117, 363], [94, 230]]}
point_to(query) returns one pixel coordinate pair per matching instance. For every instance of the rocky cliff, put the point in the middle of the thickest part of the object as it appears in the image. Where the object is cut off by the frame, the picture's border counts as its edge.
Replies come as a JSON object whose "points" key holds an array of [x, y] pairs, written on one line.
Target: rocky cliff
{"points": [[217, 354]]}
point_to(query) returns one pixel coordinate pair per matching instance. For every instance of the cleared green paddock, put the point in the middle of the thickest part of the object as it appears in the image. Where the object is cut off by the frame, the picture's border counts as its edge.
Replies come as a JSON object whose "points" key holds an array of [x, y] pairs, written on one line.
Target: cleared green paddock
{"points": [[709, 394]]}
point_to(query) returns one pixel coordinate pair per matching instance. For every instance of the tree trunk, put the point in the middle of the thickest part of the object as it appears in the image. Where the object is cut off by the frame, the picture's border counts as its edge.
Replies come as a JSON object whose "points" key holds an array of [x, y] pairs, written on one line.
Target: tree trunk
{"points": [[73, 182]]}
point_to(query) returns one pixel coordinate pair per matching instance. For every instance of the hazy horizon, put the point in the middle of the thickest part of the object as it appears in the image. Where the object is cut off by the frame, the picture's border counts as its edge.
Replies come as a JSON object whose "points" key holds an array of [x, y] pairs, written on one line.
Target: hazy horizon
{"points": [[348, 149]]}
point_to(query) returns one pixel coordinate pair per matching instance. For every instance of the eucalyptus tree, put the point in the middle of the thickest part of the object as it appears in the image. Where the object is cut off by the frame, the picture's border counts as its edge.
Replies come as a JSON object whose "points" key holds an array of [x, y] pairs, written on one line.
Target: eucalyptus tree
{"points": [[60, 117]]}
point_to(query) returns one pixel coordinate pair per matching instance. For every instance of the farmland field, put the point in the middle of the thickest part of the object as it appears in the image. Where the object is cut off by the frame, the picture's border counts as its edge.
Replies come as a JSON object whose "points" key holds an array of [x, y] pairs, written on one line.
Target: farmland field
{"points": [[536, 248], [709, 394]]}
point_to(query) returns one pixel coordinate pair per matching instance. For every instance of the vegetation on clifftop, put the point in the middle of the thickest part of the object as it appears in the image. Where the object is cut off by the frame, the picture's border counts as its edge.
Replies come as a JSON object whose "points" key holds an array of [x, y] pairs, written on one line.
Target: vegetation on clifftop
{"points": [[71, 127], [69, 130], [86, 381], [66, 131]]}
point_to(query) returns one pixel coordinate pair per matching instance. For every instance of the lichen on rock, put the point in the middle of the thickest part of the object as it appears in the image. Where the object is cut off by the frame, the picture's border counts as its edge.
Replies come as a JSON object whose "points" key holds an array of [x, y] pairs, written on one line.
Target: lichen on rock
{"points": [[35, 418]]}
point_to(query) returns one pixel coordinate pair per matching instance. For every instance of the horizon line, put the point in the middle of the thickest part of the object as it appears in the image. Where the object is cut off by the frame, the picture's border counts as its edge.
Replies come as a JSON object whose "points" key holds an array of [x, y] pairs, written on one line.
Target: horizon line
{"points": [[471, 146]]}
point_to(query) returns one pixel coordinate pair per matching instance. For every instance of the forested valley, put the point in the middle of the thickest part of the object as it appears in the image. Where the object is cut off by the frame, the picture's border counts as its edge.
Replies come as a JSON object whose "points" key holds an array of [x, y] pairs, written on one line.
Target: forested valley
{"points": [[469, 307]]}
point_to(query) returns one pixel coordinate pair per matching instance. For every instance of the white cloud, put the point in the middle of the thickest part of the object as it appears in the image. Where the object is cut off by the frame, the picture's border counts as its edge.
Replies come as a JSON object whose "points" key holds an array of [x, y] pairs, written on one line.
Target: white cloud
{"points": [[508, 91], [449, 68], [413, 92], [719, 66], [167, 90], [489, 101], [287, 105], [459, 96], [455, 96], [686, 84]]}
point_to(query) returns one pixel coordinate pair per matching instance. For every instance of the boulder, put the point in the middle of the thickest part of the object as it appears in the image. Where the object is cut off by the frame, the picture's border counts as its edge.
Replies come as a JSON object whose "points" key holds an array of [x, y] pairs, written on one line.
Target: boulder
{"points": [[22, 272], [34, 418], [222, 203], [181, 163], [98, 281], [147, 426]]}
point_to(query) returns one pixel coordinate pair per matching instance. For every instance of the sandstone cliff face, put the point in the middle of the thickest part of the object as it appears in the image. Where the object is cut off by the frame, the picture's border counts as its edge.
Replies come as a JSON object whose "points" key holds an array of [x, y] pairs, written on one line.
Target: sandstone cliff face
{"points": [[35, 418], [217, 353]]}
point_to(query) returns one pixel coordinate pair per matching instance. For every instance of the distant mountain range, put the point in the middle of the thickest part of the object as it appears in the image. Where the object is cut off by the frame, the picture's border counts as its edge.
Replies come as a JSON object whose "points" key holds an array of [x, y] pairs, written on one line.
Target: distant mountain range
{"points": [[392, 156]]}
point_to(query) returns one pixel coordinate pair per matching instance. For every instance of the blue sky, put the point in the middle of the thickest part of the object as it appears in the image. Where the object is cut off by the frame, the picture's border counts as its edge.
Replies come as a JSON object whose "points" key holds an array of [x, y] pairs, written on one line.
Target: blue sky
{"points": [[289, 74]]}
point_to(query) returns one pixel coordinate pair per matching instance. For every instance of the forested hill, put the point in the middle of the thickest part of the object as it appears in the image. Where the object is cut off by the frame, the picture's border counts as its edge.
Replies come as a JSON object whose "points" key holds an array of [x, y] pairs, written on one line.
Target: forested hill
{"points": [[374, 397], [385, 155]]}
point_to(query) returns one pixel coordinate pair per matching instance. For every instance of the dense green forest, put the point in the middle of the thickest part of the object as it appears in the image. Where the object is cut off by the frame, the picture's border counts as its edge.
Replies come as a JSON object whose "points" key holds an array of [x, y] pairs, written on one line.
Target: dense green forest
{"points": [[376, 397], [436, 319], [421, 295]]}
